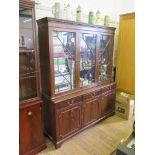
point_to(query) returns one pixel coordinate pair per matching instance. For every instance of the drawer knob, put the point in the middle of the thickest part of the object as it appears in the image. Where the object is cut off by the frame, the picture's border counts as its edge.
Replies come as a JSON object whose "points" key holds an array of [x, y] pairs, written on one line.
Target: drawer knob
{"points": [[29, 113]]}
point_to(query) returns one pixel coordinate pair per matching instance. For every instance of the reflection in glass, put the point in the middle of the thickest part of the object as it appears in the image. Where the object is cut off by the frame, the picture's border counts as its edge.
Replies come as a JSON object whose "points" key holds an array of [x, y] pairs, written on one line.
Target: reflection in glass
{"points": [[25, 28], [87, 58], [64, 60], [27, 75], [104, 62], [26, 63], [27, 87]]}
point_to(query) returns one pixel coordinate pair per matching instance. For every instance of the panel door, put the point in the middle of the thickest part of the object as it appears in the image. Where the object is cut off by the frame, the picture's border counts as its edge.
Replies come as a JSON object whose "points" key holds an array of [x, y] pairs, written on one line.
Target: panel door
{"points": [[110, 101], [64, 123], [87, 58], [95, 109], [125, 68], [75, 118], [86, 113], [105, 57], [102, 105], [69, 121], [31, 131], [63, 61]]}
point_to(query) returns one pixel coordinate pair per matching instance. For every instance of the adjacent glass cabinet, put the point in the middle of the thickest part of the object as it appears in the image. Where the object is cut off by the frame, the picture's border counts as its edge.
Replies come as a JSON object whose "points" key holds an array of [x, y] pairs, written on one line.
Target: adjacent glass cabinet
{"points": [[31, 138], [28, 70], [76, 75]]}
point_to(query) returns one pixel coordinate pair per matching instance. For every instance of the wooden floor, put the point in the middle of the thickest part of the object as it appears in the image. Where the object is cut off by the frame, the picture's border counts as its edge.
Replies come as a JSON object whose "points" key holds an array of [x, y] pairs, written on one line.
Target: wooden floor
{"points": [[101, 139]]}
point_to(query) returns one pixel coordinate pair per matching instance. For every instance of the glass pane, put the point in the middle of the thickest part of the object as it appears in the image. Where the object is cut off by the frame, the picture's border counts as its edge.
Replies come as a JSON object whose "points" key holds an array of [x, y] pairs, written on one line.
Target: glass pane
{"points": [[26, 63], [87, 58], [104, 57], [25, 28], [27, 87], [64, 60]]}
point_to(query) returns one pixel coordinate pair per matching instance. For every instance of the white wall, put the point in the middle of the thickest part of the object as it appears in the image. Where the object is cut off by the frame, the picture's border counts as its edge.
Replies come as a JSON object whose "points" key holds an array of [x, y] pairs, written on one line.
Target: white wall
{"points": [[113, 8], [122, 7]]}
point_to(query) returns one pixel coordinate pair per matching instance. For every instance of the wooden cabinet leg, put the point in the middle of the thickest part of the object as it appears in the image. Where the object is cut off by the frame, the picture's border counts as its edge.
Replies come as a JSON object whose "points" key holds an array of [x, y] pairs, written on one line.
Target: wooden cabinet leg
{"points": [[57, 145]]}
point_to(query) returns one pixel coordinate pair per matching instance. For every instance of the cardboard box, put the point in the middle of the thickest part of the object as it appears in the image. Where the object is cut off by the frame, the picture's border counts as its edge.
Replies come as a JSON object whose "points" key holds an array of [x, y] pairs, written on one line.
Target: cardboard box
{"points": [[124, 106]]}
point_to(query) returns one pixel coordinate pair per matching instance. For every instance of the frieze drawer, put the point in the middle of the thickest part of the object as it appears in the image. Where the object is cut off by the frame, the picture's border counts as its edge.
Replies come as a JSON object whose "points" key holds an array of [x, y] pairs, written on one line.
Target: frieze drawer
{"points": [[68, 103], [89, 96]]}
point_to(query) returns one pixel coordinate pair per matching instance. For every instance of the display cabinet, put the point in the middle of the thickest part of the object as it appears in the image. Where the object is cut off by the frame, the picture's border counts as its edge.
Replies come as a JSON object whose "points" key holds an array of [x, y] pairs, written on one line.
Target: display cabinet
{"points": [[30, 120], [76, 76]]}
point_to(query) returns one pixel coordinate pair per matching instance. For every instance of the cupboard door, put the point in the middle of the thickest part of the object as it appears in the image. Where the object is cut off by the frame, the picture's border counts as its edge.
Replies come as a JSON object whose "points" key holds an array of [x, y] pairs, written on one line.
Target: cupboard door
{"points": [[26, 33], [86, 113], [31, 131], [64, 123], [105, 57], [110, 101], [87, 58], [75, 118], [102, 105], [69, 121], [95, 109], [64, 57]]}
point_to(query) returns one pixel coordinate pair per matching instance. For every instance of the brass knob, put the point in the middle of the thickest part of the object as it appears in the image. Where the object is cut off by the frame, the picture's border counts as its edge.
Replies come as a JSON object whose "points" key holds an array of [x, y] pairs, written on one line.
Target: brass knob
{"points": [[29, 113]]}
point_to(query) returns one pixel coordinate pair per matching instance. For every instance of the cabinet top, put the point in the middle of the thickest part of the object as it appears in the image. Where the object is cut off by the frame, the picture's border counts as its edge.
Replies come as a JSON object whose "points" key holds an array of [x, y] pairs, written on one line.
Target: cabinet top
{"points": [[27, 2], [62, 21]]}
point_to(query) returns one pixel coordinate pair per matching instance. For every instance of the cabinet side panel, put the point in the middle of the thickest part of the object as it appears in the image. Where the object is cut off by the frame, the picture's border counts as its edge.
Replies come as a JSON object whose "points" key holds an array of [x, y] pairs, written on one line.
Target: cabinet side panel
{"points": [[44, 58], [49, 118]]}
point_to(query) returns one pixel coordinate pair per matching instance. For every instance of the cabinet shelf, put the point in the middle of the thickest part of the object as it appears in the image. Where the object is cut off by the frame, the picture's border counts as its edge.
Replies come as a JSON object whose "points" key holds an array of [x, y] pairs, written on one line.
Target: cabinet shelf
{"points": [[27, 77], [28, 73], [25, 50], [29, 28]]}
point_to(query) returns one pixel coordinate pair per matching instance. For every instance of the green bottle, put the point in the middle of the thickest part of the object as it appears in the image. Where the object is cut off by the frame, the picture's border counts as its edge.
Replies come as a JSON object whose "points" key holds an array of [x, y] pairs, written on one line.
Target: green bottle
{"points": [[78, 14], [106, 20], [97, 20], [91, 17]]}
